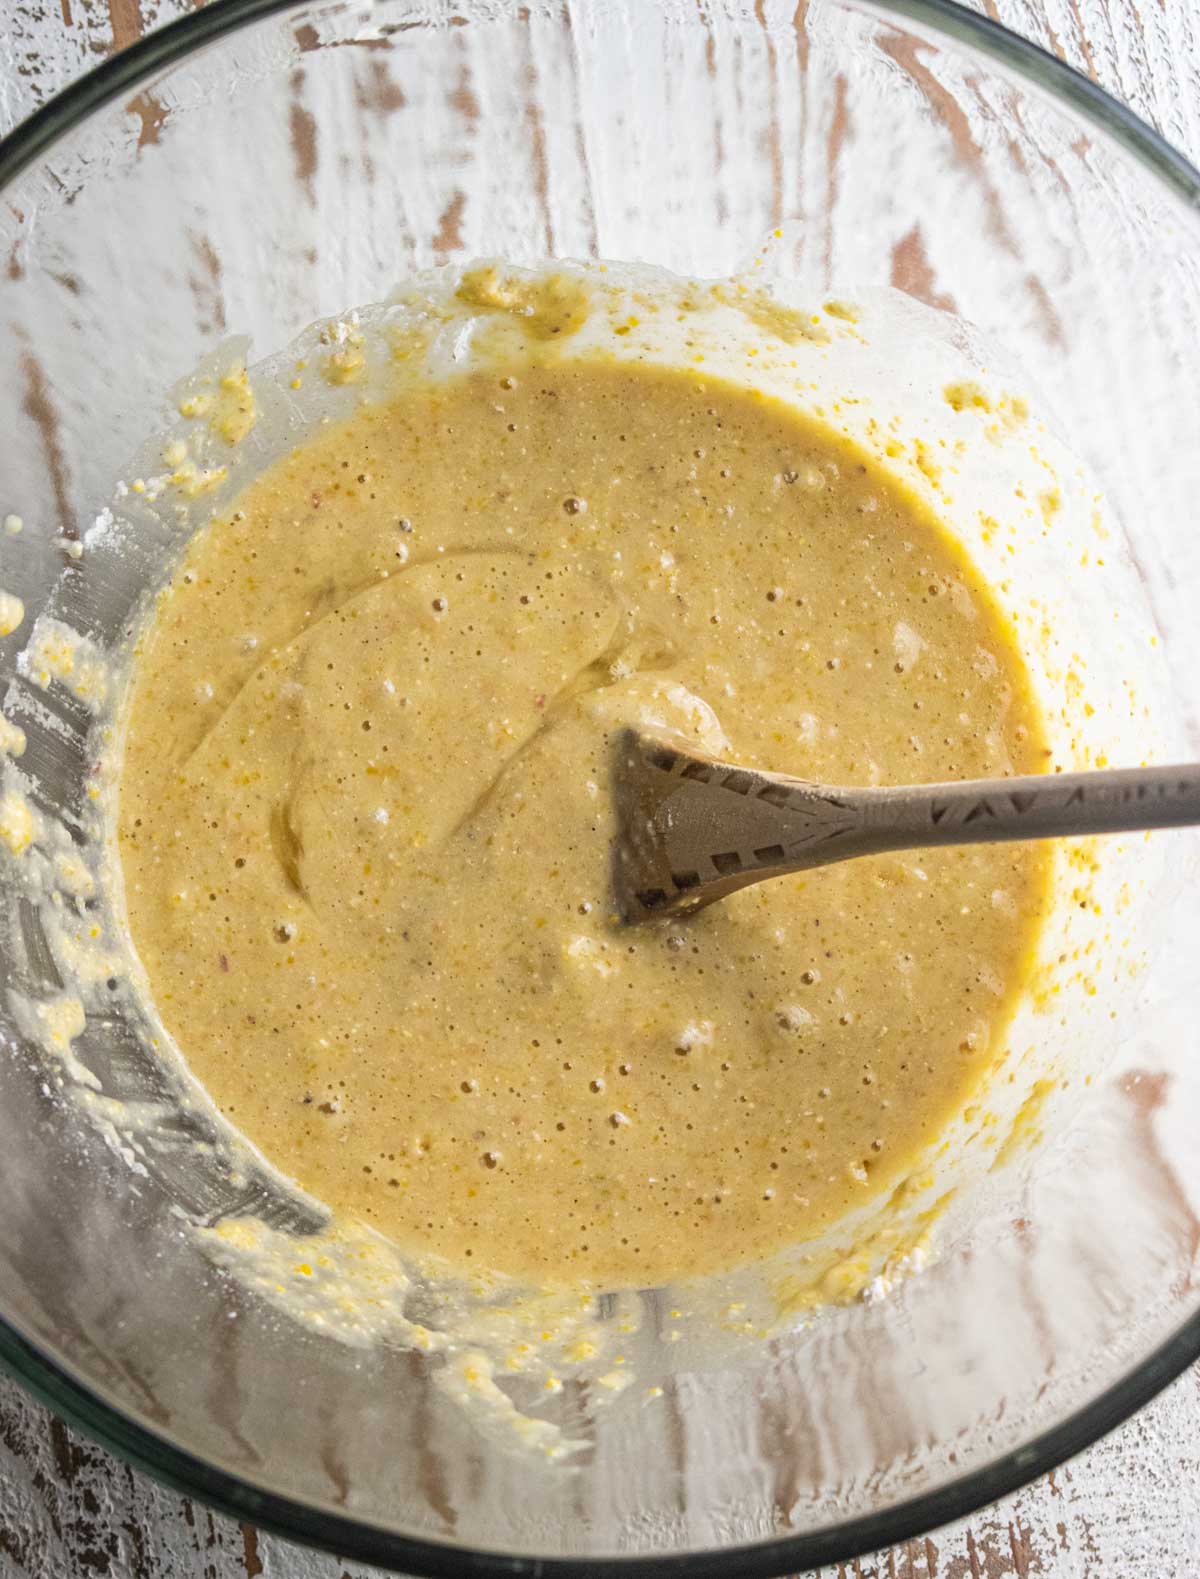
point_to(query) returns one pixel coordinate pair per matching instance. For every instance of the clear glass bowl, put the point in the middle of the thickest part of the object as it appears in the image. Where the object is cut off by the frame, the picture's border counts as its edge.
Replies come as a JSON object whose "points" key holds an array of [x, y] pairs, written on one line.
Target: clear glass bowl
{"points": [[258, 165]]}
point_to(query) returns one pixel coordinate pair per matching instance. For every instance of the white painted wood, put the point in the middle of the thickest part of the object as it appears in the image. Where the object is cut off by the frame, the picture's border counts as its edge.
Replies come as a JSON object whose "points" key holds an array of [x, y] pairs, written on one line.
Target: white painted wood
{"points": [[1128, 1509]]}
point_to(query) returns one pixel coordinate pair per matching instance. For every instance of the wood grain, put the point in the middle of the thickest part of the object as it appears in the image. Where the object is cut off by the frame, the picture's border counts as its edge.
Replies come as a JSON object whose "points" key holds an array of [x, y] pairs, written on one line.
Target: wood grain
{"points": [[1128, 1509]]}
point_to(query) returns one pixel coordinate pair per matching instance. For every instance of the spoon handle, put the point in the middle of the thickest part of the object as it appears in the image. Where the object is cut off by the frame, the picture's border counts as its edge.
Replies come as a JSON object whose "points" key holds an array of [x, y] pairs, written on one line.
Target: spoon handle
{"points": [[1042, 806], [693, 829]]}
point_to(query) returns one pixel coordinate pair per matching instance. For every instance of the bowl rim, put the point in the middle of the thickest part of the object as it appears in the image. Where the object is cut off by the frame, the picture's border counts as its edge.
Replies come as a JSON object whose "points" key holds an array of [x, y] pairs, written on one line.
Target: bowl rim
{"points": [[59, 1387]]}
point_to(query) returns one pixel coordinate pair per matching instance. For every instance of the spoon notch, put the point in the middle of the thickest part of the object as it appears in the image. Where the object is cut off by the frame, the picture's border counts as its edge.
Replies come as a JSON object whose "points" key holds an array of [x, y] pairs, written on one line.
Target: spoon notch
{"points": [[692, 829]]}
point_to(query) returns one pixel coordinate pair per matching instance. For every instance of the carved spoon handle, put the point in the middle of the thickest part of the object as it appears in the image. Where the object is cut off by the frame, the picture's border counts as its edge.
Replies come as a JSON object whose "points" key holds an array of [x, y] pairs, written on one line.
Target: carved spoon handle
{"points": [[981, 811]]}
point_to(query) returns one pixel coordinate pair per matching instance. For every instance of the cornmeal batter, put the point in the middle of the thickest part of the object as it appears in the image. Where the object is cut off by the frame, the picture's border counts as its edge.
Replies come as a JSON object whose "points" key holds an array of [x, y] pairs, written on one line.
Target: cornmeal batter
{"points": [[365, 822]]}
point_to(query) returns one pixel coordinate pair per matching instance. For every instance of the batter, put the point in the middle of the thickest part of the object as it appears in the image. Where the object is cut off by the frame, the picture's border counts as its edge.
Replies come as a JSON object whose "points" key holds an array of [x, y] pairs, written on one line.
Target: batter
{"points": [[365, 822]]}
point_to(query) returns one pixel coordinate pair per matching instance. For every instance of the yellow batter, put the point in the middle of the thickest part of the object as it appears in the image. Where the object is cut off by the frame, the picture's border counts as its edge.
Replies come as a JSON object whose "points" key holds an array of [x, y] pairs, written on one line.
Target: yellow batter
{"points": [[365, 822]]}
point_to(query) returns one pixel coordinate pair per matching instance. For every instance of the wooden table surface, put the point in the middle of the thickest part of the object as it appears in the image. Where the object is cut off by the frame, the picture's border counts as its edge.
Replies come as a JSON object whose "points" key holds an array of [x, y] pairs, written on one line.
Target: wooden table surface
{"points": [[1128, 1509]]}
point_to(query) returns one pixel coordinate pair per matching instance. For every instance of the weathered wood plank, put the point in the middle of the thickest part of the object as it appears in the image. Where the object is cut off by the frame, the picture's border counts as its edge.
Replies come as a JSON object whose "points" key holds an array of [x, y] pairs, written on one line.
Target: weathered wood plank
{"points": [[1128, 1508]]}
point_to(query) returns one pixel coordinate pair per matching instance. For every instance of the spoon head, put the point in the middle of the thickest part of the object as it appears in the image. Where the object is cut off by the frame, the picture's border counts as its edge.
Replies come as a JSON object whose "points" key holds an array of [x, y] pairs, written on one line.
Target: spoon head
{"points": [[644, 779], [692, 829], [676, 847]]}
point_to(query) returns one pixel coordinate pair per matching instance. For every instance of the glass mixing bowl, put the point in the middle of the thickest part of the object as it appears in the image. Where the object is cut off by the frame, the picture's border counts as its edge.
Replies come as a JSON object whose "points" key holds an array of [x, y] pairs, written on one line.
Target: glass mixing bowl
{"points": [[261, 164]]}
